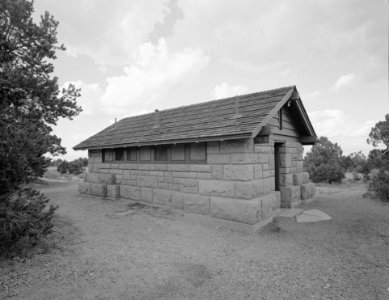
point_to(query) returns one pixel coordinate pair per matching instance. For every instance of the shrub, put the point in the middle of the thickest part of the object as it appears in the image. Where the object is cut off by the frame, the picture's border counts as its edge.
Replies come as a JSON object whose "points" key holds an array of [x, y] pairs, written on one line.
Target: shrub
{"points": [[24, 220], [74, 167], [379, 185]]}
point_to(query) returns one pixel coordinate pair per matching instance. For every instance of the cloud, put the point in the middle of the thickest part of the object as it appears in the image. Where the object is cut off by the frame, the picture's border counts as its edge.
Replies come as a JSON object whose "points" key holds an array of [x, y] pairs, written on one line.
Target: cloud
{"points": [[342, 128], [156, 69], [344, 81], [224, 90], [311, 94]]}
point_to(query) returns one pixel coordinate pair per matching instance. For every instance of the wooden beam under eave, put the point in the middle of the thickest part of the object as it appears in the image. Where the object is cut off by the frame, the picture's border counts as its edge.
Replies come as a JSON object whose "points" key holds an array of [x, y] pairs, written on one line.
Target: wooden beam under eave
{"points": [[308, 140]]}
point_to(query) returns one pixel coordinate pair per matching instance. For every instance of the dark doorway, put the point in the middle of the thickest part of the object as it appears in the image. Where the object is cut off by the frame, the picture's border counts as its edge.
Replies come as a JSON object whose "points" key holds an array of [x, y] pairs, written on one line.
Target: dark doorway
{"points": [[277, 147]]}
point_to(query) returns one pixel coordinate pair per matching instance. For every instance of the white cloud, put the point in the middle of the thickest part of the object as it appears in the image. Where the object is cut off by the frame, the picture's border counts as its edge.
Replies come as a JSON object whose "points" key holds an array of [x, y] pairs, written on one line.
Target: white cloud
{"points": [[224, 90], [342, 128], [155, 70], [344, 81], [311, 94]]}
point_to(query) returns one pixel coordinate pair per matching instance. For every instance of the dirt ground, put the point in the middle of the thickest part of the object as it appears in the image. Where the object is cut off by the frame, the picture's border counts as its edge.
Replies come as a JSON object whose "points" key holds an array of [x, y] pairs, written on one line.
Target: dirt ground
{"points": [[104, 250]]}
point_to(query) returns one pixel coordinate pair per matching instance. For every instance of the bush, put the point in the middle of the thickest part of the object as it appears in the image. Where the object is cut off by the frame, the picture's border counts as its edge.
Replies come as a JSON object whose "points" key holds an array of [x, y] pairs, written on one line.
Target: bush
{"points": [[379, 185], [24, 220], [74, 167]]}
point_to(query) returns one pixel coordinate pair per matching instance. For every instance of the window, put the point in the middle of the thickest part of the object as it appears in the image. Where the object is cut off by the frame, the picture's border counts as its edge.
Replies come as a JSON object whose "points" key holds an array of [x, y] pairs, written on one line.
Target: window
{"points": [[197, 152], [107, 155], [178, 152], [145, 153], [119, 154], [131, 154], [161, 153]]}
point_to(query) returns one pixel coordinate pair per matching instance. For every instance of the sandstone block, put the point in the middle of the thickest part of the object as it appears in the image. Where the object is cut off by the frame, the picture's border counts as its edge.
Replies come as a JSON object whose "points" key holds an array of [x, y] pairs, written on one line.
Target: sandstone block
{"points": [[178, 167], [146, 167], [238, 172], [217, 172], [130, 192], [307, 190], [185, 174], [245, 190], [266, 149], [113, 191], [161, 167], [286, 160], [269, 203], [258, 171], [84, 188], [286, 179], [299, 166], [216, 188], [146, 194], [163, 197], [188, 185], [236, 210], [157, 173], [218, 158], [196, 204], [290, 195], [305, 177], [204, 175], [98, 189], [212, 147], [298, 179], [200, 168], [244, 158], [235, 146], [178, 199], [146, 181]]}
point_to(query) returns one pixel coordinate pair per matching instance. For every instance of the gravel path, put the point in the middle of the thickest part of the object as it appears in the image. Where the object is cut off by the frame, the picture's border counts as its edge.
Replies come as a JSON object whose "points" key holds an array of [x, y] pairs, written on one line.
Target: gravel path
{"points": [[104, 251]]}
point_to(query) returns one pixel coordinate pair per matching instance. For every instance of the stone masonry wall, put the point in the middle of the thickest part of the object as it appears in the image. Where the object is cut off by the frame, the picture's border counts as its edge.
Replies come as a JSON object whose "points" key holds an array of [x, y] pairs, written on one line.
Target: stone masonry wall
{"points": [[294, 183], [236, 183]]}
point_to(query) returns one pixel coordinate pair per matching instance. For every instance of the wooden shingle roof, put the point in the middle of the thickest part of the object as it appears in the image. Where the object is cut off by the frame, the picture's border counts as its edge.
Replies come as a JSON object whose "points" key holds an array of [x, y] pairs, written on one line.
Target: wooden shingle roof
{"points": [[205, 121]]}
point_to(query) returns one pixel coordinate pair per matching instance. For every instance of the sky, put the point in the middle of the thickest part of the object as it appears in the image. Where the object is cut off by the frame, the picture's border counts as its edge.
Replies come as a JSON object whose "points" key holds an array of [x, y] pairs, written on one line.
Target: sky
{"points": [[132, 57]]}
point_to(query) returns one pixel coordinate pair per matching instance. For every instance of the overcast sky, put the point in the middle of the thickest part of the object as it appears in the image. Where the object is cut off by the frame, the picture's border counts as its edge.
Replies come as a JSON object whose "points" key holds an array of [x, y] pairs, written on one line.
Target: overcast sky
{"points": [[131, 57]]}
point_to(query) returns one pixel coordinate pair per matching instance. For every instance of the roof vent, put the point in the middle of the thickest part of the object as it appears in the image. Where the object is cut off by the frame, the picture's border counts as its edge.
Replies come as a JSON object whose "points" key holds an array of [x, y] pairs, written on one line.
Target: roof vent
{"points": [[156, 118], [237, 114]]}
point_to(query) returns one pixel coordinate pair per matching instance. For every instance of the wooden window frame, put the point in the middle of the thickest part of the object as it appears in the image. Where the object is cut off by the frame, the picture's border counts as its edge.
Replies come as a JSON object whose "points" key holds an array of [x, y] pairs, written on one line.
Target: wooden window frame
{"points": [[153, 154]]}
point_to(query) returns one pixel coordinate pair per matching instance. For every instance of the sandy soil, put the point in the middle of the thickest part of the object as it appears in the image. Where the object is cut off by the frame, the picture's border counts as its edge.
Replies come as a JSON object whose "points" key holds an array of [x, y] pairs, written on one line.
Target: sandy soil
{"points": [[103, 250]]}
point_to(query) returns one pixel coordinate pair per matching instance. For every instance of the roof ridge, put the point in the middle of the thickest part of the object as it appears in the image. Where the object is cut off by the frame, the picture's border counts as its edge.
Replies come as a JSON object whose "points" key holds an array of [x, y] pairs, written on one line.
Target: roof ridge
{"points": [[211, 101]]}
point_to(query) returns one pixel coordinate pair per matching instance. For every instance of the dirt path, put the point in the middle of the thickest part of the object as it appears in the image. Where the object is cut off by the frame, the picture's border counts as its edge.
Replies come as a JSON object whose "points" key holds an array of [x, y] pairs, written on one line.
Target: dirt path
{"points": [[106, 252]]}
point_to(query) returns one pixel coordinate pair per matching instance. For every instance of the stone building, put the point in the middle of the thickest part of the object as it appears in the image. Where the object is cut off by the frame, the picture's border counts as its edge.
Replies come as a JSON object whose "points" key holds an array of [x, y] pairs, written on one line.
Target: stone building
{"points": [[238, 159]]}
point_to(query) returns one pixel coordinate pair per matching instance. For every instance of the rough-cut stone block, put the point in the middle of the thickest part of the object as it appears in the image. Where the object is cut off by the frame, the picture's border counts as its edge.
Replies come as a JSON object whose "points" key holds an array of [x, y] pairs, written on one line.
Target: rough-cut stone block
{"points": [[244, 158], [236, 210], [245, 190], [299, 166], [156, 173], [258, 171], [238, 172], [290, 195], [161, 167], [216, 188], [113, 191], [188, 185], [146, 194], [163, 197], [286, 179], [200, 168], [235, 146], [218, 158], [217, 172], [268, 185], [204, 175], [196, 204], [178, 167], [107, 178], [146, 166], [266, 149], [98, 189], [269, 203], [147, 181], [84, 188], [212, 147], [307, 190], [286, 160], [185, 174], [178, 199], [298, 179], [305, 177], [130, 192]]}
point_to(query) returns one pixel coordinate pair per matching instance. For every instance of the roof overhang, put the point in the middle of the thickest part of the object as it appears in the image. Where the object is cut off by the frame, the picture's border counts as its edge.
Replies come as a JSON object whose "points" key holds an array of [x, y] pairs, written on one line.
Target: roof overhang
{"points": [[173, 141]]}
